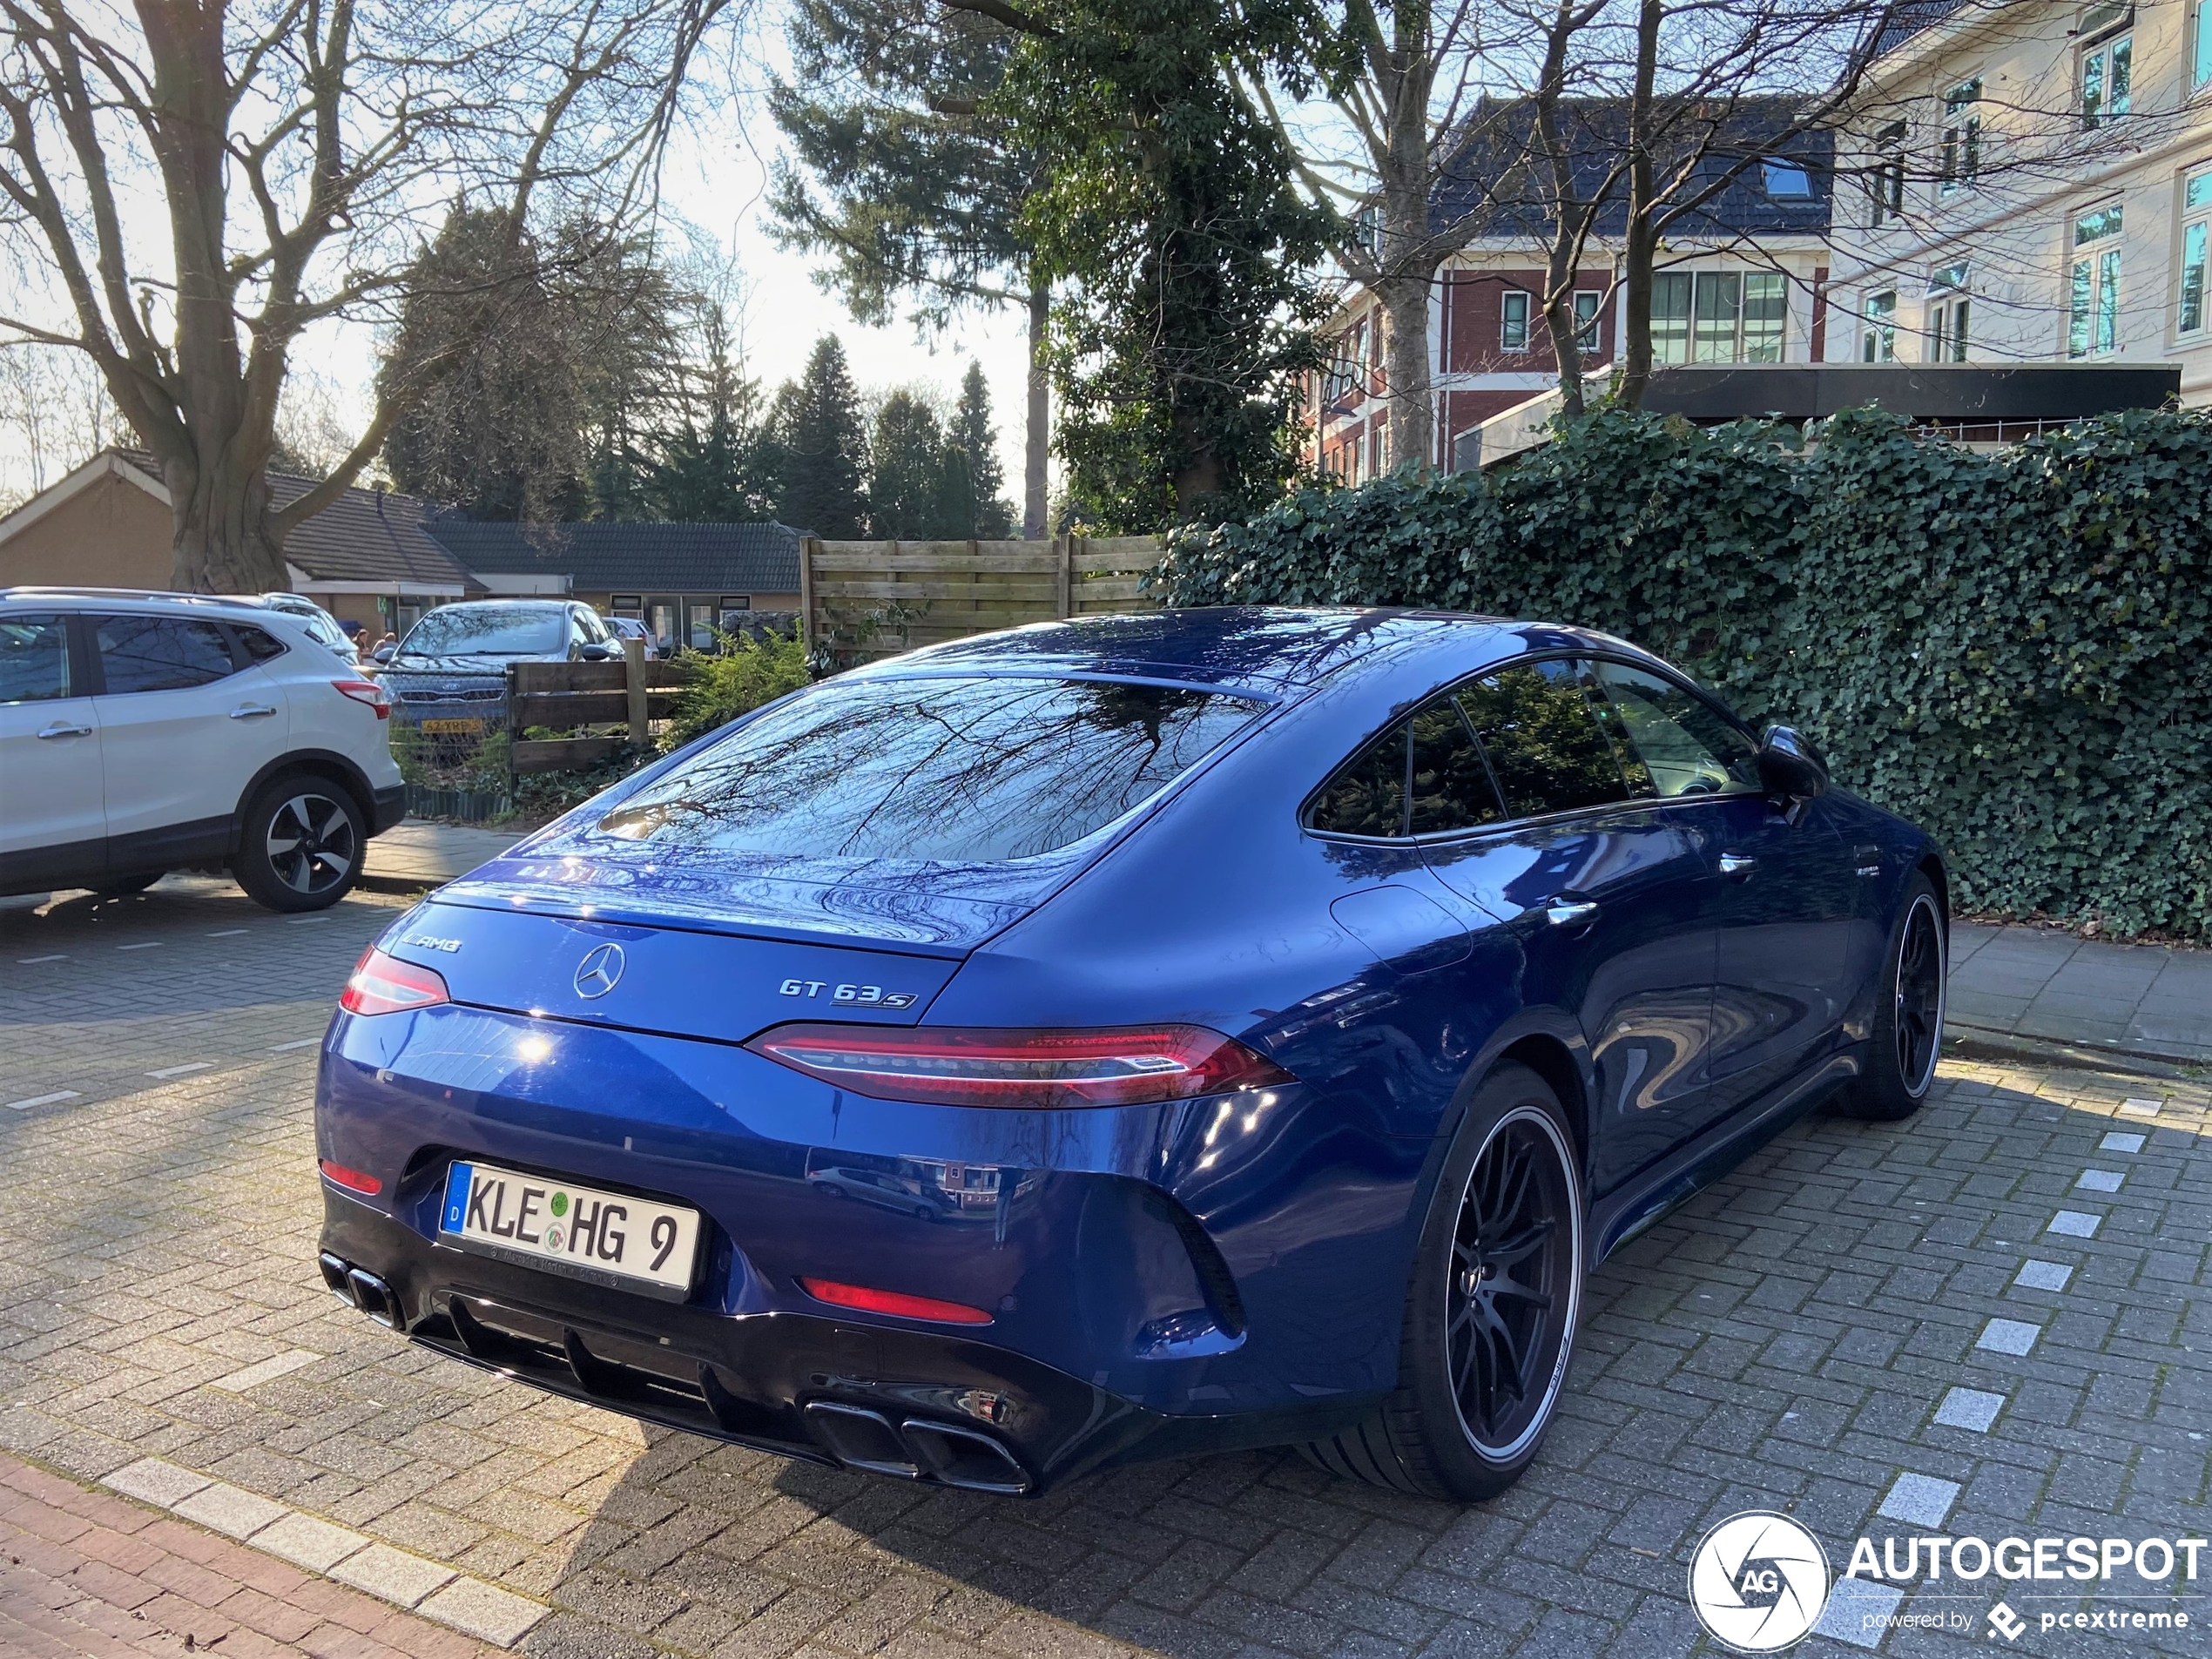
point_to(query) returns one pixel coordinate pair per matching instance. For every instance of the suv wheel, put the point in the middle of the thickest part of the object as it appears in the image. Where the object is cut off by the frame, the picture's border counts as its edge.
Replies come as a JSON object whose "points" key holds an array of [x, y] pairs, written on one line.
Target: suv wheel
{"points": [[302, 845], [1490, 1317]]}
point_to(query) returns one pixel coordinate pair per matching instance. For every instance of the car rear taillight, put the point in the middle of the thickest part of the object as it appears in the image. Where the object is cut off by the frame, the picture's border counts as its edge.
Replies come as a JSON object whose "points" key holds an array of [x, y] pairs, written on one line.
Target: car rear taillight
{"points": [[366, 691], [352, 1180], [383, 984], [971, 1066], [906, 1307]]}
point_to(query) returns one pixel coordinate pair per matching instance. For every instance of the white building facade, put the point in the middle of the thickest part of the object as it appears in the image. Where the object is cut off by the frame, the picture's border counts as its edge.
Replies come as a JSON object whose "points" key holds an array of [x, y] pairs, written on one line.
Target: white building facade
{"points": [[2036, 186]]}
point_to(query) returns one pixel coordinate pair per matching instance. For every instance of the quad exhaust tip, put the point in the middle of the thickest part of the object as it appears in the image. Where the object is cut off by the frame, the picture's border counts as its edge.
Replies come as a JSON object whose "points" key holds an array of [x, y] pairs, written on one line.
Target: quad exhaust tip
{"points": [[916, 1448], [358, 1288]]}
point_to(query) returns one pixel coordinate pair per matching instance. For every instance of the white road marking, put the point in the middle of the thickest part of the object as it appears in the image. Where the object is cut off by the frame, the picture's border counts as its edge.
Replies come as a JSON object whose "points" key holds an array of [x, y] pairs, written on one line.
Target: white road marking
{"points": [[58, 956], [42, 1100], [179, 1071], [304, 1043], [149, 944], [228, 932]]}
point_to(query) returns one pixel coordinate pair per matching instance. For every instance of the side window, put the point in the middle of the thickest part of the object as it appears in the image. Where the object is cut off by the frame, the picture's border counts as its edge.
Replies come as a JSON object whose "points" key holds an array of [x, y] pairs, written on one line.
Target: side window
{"points": [[258, 645], [34, 659], [160, 653], [1539, 728], [1367, 794], [1681, 741], [1450, 786]]}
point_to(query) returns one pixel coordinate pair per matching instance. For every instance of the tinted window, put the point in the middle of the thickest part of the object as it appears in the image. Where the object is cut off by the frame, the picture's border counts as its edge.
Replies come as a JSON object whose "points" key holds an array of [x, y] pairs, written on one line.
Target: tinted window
{"points": [[1679, 740], [1540, 730], [259, 646], [490, 630], [34, 659], [964, 770], [160, 653], [1367, 794], [1451, 786]]}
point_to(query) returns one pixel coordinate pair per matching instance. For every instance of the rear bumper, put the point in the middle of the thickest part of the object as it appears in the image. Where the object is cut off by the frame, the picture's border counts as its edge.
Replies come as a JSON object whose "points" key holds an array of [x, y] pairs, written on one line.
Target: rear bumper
{"points": [[941, 1408], [390, 807]]}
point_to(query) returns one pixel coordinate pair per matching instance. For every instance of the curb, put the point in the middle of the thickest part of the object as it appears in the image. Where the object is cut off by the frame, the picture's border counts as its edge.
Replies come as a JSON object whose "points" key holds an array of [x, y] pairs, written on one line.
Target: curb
{"points": [[427, 1589], [405, 885], [1979, 1043]]}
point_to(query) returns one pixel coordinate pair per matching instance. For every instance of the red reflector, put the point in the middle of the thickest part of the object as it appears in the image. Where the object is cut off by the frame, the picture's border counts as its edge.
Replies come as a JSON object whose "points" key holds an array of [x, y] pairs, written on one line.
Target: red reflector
{"points": [[352, 1180], [906, 1307], [366, 691], [383, 984], [979, 1067]]}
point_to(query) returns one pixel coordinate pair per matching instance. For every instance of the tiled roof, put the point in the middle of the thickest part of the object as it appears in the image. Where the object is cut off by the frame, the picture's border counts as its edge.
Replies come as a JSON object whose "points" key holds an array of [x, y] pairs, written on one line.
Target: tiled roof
{"points": [[364, 535], [1475, 182], [607, 557]]}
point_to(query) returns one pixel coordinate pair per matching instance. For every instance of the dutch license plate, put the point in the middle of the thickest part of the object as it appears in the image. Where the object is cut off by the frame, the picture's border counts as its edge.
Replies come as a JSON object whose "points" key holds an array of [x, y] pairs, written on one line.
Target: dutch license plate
{"points": [[454, 728], [581, 1231]]}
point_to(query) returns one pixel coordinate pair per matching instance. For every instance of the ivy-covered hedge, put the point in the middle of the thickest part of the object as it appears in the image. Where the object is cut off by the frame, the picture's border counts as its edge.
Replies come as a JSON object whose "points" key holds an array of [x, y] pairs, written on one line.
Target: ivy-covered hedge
{"points": [[2014, 649]]}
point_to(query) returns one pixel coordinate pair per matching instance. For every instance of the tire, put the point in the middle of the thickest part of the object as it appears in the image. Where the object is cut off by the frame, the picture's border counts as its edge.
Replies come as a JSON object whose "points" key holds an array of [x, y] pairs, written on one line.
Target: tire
{"points": [[1456, 1428], [1907, 1037], [302, 844], [129, 885]]}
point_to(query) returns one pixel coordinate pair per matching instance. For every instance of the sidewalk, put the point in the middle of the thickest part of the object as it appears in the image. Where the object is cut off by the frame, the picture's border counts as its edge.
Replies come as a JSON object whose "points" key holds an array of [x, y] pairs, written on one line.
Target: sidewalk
{"points": [[2147, 1000], [412, 856]]}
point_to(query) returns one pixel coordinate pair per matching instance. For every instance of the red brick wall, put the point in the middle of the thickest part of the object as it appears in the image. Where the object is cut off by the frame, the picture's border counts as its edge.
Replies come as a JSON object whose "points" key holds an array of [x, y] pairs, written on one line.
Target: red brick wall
{"points": [[1474, 315]]}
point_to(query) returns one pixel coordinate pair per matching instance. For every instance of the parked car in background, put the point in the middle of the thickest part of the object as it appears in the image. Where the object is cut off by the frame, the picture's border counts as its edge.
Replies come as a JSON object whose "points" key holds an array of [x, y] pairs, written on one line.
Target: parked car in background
{"points": [[1307, 1001], [624, 628], [324, 626], [448, 676], [144, 732]]}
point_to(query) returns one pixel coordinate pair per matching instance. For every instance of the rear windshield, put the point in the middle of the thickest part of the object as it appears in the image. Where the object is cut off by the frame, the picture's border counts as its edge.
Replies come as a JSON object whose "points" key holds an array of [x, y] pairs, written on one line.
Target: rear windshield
{"points": [[953, 770], [491, 631]]}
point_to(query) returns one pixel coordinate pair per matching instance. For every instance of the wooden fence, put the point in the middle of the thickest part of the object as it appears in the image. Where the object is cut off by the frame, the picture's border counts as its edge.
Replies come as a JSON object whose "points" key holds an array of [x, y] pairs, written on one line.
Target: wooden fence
{"points": [[868, 599], [630, 694]]}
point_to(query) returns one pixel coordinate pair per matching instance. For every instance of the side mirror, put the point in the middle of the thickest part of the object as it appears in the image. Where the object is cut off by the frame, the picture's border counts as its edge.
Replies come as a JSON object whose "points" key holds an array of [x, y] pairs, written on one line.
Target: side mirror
{"points": [[383, 653], [596, 654], [1789, 764]]}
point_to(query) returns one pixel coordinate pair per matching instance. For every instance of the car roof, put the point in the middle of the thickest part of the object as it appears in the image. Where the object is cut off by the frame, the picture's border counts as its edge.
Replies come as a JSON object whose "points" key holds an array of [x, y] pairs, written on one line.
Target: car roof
{"points": [[147, 598], [1260, 646]]}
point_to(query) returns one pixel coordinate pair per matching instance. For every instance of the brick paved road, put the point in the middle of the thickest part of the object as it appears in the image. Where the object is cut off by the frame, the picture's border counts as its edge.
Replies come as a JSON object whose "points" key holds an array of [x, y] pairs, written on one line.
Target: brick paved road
{"points": [[1795, 1339]]}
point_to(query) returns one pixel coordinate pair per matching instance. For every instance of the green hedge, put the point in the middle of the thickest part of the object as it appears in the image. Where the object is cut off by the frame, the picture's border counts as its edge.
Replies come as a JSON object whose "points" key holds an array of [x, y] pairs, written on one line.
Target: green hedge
{"points": [[2009, 648]]}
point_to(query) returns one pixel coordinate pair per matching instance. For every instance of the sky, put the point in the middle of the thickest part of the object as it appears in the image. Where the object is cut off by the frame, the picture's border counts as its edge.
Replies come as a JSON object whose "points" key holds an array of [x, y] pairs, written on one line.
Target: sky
{"points": [[715, 178]]}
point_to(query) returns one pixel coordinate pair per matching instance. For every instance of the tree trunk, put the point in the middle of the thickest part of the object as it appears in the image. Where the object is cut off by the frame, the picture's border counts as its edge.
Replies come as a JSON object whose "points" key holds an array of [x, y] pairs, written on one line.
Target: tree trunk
{"points": [[221, 541], [1640, 242], [1405, 367], [1038, 436]]}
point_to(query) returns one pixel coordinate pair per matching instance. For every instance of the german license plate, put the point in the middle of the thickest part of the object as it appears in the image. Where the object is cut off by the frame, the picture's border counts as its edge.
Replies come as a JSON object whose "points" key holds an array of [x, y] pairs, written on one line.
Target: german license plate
{"points": [[454, 728], [611, 1238]]}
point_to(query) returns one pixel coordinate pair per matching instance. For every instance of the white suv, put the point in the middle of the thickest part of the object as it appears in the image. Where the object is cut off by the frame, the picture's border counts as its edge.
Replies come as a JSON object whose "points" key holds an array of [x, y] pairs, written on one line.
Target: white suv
{"points": [[143, 732]]}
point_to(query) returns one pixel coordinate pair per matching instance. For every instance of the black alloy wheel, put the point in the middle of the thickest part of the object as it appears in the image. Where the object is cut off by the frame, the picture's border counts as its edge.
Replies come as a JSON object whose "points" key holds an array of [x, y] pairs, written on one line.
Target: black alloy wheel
{"points": [[1508, 1304], [1490, 1313], [1919, 1015], [1900, 1059]]}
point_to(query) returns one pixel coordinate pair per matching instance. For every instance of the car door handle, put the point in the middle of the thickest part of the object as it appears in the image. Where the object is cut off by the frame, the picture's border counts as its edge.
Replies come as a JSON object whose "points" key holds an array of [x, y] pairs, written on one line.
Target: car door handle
{"points": [[251, 712], [1737, 864], [63, 729], [1571, 912]]}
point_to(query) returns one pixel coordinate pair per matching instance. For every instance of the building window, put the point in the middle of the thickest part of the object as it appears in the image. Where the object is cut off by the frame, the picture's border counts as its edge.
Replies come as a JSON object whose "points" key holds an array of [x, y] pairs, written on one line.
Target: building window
{"points": [[1718, 316], [1513, 320], [1877, 340], [1950, 314], [2196, 230], [2201, 53], [1887, 184], [2107, 64], [1785, 180], [1961, 138], [625, 604], [2093, 297], [1588, 324]]}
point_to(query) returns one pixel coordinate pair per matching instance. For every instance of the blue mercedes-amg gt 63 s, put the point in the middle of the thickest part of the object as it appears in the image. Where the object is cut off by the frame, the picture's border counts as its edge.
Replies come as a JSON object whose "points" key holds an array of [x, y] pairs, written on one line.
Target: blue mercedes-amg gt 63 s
{"points": [[1131, 1037]]}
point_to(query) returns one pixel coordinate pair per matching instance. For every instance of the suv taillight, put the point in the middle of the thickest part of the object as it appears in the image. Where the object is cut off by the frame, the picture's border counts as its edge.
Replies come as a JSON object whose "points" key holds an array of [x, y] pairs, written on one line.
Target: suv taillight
{"points": [[383, 984], [980, 1067], [366, 691]]}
